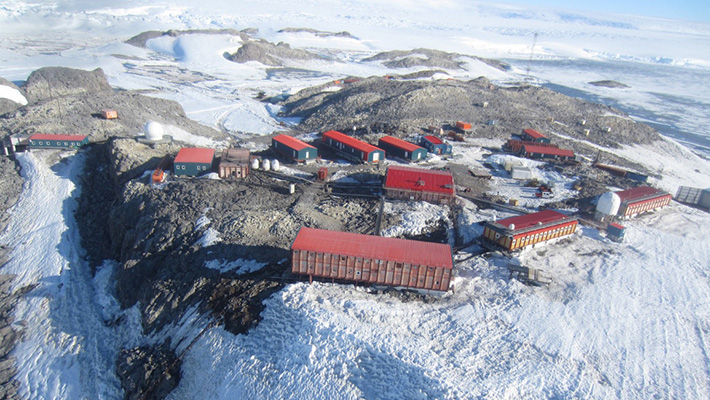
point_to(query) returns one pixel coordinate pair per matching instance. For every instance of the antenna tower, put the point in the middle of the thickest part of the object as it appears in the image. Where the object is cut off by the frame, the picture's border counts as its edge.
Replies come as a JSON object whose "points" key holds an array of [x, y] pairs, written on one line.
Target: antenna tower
{"points": [[532, 49]]}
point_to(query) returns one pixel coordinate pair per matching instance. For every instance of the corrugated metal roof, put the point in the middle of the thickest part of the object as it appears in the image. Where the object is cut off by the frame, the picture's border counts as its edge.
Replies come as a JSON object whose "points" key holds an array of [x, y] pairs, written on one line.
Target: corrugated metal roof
{"points": [[433, 139], [374, 247], [526, 221], [195, 155], [350, 141], [640, 193], [404, 145], [547, 150], [43, 136], [235, 155], [534, 134], [292, 142], [419, 179]]}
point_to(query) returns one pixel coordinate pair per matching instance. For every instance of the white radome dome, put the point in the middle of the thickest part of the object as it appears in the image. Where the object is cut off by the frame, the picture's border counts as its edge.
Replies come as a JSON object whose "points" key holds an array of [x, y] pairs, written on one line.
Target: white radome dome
{"points": [[153, 130], [609, 203]]}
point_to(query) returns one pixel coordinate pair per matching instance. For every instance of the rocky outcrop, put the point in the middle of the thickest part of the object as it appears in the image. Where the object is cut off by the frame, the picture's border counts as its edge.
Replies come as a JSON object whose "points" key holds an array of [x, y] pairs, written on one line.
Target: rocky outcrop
{"points": [[269, 53], [54, 82], [141, 39], [318, 33], [77, 110], [431, 59], [610, 84], [396, 106], [148, 372], [9, 105]]}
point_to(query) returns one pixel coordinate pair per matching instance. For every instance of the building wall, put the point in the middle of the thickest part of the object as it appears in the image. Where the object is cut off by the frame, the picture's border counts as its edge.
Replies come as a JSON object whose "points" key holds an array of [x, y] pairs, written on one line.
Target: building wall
{"points": [[233, 171], [431, 197], [360, 269], [57, 144], [305, 154], [192, 169], [353, 153], [416, 155], [442, 148], [631, 209], [517, 241]]}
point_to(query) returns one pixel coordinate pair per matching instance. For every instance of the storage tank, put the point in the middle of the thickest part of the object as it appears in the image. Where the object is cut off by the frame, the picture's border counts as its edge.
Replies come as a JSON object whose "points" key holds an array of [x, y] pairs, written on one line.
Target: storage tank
{"points": [[275, 165], [266, 165], [153, 131], [609, 203], [255, 164]]}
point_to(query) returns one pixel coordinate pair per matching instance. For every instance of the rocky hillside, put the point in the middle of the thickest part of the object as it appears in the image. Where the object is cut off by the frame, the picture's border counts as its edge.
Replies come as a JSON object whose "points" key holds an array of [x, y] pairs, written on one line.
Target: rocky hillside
{"points": [[401, 106], [69, 101]]}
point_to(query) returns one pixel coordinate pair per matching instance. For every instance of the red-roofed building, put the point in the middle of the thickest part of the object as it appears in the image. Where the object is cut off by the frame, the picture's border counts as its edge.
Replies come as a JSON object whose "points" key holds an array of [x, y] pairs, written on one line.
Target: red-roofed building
{"points": [[44, 141], [372, 259], [640, 199], [395, 147], [532, 135], [435, 145], [525, 230], [535, 151], [293, 148], [351, 148], [419, 184], [193, 161]]}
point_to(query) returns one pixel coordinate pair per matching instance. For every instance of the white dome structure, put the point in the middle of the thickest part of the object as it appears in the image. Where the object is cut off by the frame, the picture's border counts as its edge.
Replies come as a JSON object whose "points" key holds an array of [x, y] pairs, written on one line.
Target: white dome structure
{"points": [[609, 203], [153, 131]]}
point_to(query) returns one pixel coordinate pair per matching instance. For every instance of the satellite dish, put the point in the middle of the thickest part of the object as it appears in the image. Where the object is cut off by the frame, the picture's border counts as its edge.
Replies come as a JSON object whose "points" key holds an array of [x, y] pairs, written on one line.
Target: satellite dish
{"points": [[511, 227], [153, 130]]}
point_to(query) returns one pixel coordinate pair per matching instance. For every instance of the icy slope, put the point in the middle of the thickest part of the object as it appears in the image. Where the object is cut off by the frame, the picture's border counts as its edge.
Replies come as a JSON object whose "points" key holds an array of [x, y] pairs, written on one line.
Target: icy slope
{"points": [[623, 321], [67, 352]]}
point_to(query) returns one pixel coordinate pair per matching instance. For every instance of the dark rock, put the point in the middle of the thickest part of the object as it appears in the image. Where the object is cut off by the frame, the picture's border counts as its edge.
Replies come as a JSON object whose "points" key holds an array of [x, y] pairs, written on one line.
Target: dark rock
{"points": [[317, 32], [270, 54], [141, 39], [7, 105], [54, 82], [610, 84], [431, 59], [148, 372]]}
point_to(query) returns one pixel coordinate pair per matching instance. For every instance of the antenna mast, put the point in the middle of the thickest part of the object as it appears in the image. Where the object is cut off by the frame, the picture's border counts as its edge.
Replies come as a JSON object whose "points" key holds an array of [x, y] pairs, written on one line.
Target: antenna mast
{"points": [[532, 49]]}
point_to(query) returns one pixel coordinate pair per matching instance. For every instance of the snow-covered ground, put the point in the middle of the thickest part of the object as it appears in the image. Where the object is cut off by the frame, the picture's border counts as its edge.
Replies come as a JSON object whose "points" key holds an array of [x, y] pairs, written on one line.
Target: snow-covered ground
{"points": [[621, 320]]}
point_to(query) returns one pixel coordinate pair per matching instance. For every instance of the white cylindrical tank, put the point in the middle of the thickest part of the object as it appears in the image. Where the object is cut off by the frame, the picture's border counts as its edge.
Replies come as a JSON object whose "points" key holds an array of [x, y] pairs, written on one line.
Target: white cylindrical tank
{"points": [[266, 164], [275, 165], [255, 164], [153, 130], [609, 203]]}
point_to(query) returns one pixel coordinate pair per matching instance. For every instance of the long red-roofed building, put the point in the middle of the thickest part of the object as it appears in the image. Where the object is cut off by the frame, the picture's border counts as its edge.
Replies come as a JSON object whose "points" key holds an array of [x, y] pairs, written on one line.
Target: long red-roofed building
{"points": [[535, 151], [293, 148], [47, 141], [640, 199], [534, 136], [372, 259], [525, 230], [395, 147], [419, 184], [352, 148]]}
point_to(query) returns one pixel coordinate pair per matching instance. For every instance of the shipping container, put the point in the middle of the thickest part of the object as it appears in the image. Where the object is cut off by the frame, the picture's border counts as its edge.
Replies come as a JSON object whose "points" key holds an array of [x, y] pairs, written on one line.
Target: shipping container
{"points": [[372, 259], [463, 126], [615, 231], [109, 114]]}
